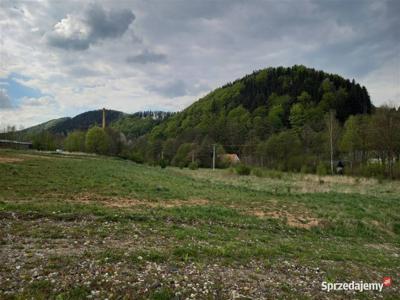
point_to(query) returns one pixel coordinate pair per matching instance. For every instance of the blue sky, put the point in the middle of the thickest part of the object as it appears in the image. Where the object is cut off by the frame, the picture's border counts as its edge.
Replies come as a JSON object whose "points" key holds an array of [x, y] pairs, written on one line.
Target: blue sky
{"points": [[61, 58], [18, 91]]}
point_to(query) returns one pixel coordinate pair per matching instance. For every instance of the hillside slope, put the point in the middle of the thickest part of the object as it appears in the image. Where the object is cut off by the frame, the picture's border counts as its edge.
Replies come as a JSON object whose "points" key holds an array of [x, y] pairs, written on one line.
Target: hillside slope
{"points": [[265, 102], [85, 120], [43, 126], [267, 118], [132, 125]]}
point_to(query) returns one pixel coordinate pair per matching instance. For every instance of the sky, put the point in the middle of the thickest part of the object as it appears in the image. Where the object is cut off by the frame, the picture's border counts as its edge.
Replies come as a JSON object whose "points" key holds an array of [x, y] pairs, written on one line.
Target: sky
{"points": [[61, 58]]}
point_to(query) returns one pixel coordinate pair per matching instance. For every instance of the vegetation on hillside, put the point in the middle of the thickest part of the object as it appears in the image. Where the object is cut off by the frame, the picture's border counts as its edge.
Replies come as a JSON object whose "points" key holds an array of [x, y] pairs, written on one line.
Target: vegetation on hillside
{"points": [[138, 124]]}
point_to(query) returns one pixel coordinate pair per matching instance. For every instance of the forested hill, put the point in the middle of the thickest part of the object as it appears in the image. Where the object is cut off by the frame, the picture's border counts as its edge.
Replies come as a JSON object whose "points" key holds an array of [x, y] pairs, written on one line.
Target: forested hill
{"points": [[132, 125], [265, 102], [85, 120]]}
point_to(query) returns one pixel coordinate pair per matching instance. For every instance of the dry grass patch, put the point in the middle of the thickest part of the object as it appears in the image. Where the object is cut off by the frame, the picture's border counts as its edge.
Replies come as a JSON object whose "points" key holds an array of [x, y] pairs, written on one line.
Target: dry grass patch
{"points": [[293, 220], [6, 159], [121, 202]]}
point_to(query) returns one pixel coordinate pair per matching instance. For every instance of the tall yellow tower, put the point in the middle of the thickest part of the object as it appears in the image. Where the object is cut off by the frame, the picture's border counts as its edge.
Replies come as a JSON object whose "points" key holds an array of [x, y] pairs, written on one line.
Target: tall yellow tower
{"points": [[104, 118]]}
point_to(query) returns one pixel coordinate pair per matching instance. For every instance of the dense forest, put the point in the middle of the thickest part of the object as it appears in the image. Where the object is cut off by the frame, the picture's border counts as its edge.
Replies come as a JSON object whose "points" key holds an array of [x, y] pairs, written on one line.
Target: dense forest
{"points": [[290, 119]]}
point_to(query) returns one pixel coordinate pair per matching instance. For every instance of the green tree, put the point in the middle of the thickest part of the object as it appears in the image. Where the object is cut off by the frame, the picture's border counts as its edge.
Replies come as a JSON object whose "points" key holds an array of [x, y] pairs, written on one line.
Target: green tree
{"points": [[75, 141], [304, 98], [385, 135], [183, 156], [97, 141], [351, 139], [332, 136], [275, 117], [238, 122], [44, 141], [298, 116], [281, 149]]}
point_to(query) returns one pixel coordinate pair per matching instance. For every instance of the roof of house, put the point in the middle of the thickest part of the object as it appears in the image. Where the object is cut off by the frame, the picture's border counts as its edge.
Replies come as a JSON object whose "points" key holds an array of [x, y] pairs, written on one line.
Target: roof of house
{"points": [[231, 156]]}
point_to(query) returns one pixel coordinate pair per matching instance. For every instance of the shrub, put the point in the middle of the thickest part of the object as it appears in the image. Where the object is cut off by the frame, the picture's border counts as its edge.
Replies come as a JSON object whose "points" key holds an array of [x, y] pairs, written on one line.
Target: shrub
{"points": [[373, 170], [257, 172], [274, 174], [243, 170], [125, 153], [305, 169], [321, 169], [163, 163], [137, 157], [295, 163], [193, 165]]}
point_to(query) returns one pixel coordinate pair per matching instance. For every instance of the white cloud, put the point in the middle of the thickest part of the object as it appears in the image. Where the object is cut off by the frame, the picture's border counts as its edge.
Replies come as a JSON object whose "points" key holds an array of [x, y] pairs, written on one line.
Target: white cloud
{"points": [[72, 27]]}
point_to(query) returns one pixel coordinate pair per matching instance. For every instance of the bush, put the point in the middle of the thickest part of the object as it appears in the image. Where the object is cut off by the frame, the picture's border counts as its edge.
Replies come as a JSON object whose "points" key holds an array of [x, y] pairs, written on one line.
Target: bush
{"points": [[193, 166], [163, 163], [373, 170], [305, 169], [137, 157], [294, 163], [274, 174], [243, 170], [321, 169], [125, 153], [257, 172]]}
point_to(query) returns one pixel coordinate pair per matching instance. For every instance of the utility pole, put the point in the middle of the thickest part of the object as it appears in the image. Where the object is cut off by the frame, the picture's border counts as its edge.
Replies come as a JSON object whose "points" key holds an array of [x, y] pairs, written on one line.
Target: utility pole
{"points": [[213, 163], [331, 136]]}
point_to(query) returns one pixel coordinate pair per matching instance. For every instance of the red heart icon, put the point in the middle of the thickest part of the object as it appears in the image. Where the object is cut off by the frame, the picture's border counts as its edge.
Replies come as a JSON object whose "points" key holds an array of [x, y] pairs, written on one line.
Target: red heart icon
{"points": [[387, 281]]}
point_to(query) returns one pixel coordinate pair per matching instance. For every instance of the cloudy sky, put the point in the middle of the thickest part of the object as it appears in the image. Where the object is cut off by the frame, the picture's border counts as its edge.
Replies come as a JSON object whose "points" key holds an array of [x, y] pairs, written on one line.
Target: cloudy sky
{"points": [[60, 58]]}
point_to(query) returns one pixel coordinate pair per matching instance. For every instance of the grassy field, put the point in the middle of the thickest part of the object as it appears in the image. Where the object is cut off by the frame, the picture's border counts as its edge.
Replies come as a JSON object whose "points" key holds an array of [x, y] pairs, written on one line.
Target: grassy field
{"points": [[76, 227]]}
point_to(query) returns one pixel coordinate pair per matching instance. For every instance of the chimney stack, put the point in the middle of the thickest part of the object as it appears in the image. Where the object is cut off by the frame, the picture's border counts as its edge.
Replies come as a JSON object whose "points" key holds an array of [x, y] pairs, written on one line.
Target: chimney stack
{"points": [[104, 118]]}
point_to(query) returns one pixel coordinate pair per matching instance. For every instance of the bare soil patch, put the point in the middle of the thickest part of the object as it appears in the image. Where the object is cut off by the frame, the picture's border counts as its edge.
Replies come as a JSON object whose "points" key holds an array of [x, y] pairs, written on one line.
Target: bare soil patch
{"points": [[5, 159], [305, 222], [120, 202]]}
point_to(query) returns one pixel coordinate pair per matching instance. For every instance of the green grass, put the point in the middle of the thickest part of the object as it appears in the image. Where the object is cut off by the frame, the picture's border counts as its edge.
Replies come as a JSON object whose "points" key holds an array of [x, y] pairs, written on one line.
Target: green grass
{"points": [[116, 213]]}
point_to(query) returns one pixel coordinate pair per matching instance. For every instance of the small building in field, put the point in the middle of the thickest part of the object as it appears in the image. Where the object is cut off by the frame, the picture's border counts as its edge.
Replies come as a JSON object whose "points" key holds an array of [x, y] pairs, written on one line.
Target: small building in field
{"points": [[230, 158], [15, 144]]}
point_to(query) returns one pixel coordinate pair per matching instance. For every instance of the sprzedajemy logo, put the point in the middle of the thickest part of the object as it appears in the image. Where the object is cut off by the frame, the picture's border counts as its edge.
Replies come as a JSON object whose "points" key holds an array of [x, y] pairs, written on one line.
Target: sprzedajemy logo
{"points": [[359, 286]]}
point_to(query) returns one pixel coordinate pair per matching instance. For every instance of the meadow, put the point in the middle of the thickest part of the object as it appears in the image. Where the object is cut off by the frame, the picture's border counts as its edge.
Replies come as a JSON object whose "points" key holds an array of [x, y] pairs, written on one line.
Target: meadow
{"points": [[81, 226]]}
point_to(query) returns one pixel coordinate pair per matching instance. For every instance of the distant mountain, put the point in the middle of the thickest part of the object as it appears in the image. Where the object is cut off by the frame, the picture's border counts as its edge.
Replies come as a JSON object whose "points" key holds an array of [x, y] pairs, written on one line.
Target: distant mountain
{"points": [[132, 125], [43, 126], [85, 120]]}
